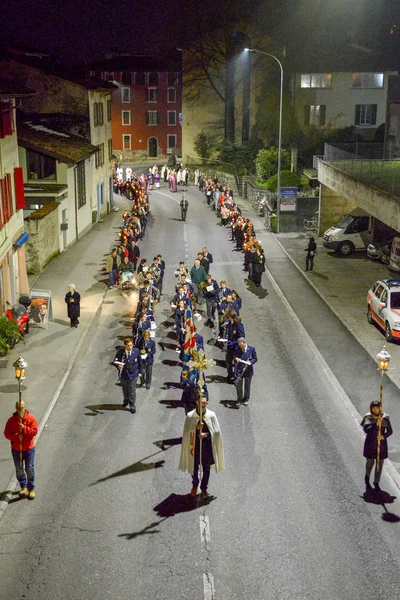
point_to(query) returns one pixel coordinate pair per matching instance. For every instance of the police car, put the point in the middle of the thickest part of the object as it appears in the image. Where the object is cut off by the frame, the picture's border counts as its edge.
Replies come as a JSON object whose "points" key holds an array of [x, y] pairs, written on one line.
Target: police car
{"points": [[384, 307]]}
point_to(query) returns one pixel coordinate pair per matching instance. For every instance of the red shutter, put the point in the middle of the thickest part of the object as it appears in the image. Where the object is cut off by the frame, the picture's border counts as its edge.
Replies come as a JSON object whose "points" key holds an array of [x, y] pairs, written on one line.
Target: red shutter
{"points": [[10, 196], [19, 188], [4, 199], [6, 118]]}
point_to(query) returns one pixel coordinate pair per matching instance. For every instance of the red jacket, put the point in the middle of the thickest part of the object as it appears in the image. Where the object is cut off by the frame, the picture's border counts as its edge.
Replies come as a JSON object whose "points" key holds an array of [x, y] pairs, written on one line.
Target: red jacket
{"points": [[30, 429]]}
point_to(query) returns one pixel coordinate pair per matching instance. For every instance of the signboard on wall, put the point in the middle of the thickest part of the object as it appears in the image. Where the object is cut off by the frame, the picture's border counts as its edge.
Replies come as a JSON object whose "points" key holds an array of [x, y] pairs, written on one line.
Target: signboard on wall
{"points": [[41, 309], [288, 199]]}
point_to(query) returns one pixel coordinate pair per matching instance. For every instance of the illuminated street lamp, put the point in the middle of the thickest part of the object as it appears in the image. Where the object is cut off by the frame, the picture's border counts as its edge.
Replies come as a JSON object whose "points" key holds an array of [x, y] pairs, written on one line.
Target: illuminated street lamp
{"points": [[20, 366], [383, 359], [278, 203]]}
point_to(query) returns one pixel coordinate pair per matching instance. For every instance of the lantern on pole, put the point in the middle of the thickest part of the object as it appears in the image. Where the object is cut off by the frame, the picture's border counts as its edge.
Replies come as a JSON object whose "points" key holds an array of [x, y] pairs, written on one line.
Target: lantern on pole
{"points": [[383, 359]]}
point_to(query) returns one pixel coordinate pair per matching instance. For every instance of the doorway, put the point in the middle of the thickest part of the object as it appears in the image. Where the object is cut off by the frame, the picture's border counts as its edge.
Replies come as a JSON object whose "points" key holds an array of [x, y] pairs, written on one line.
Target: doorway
{"points": [[153, 147]]}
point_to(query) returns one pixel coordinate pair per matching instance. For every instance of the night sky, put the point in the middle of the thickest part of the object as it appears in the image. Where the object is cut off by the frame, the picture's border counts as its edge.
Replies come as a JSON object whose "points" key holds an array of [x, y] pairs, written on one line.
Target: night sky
{"points": [[82, 31]]}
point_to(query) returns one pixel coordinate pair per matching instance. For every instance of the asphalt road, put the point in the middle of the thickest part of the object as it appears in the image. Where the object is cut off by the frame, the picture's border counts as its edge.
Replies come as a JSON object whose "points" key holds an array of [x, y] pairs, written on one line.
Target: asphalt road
{"points": [[288, 521]]}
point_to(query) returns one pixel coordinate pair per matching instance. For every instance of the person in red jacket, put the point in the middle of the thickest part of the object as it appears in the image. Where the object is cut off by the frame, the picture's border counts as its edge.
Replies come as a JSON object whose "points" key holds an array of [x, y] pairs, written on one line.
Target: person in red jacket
{"points": [[21, 429]]}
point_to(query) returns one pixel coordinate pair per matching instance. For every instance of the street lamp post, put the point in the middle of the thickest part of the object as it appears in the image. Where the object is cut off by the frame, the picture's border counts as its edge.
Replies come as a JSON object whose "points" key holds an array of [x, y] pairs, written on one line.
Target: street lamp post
{"points": [[383, 359], [278, 203], [20, 366]]}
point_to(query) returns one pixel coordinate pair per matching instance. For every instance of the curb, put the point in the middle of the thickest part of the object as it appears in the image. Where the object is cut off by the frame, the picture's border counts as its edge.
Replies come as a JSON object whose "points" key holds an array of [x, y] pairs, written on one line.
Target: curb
{"points": [[43, 421]]}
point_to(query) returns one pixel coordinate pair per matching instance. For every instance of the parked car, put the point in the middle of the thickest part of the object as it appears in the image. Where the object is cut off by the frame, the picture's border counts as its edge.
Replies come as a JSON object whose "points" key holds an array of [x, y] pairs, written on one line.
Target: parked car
{"points": [[380, 251], [383, 307]]}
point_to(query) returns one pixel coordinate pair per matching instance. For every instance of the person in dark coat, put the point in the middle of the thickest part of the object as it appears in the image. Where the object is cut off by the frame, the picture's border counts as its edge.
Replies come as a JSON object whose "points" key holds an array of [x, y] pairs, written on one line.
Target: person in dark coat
{"points": [[234, 331], [147, 348], [129, 363], [245, 358], [73, 302], [311, 252], [134, 254], [258, 266], [376, 425]]}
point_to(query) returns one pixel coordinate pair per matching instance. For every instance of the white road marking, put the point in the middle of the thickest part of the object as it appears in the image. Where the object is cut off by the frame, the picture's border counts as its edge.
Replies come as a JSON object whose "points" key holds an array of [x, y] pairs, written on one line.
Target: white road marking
{"points": [[169, 196], [209, 590], [205, 533]]}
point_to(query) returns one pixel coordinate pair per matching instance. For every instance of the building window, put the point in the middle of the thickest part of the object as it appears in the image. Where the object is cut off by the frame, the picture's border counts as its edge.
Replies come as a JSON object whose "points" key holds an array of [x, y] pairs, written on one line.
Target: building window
{"points": [[140, 78], [171, 94], [171, 141], [153, 79], [40, 166], [7, 203], [126, 78], [172, 117], [109, 110], [81, 184], [316, 80], [99, 156], [366, 114], [172, 78], [368, 80], [110, 149], [126, 142], [152, 94], [315, 115], [126, 117], [98, 113], [125, 95], [153, 117]]}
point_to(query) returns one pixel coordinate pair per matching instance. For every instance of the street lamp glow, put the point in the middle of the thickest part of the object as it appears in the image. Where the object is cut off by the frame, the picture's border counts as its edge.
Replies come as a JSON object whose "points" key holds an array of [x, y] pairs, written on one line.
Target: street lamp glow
{"points": [[20, 366], [383, 360], [278, 203]]}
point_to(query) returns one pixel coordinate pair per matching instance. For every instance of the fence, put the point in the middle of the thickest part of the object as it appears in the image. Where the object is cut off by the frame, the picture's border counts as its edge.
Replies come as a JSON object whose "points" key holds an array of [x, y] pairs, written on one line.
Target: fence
{"points": [[384, 174]]}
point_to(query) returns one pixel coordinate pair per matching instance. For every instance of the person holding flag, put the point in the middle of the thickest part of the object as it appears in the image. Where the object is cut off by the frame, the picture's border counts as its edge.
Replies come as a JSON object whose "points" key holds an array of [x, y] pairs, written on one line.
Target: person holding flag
{"points": [[202, 446]]}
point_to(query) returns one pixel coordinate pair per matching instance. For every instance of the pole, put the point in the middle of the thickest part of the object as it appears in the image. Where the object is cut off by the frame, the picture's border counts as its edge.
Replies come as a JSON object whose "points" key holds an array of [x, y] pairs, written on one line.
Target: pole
{"points": [[378, 451], [201, 440], [20, 422]]}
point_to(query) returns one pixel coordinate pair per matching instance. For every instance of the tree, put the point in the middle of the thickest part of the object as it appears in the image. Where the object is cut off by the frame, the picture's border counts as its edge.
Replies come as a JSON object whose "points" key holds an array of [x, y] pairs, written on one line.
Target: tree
{"points": [[288, 179], [203, 145], [267, 162]]}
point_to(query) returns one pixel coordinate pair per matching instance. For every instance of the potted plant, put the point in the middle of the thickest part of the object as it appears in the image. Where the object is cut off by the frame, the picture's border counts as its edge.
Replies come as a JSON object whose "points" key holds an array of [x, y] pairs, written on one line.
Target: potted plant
{"points": [[9, 335]]}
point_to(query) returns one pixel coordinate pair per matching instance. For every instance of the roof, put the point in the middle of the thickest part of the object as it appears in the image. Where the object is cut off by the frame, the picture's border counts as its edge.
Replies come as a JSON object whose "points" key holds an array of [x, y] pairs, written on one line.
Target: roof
{"points": [[139, 62], [13, 89], [54, 142], [36, 189]]}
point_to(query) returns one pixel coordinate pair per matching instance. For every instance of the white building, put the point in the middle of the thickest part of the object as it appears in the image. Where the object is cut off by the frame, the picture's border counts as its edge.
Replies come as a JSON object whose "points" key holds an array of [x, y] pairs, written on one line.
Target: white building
{"points": [[342, 99]]}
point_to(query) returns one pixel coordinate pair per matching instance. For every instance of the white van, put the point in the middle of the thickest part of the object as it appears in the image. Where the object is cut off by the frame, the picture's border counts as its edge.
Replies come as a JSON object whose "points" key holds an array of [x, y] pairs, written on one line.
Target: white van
{"points": [[394, 260], [353, 232]]}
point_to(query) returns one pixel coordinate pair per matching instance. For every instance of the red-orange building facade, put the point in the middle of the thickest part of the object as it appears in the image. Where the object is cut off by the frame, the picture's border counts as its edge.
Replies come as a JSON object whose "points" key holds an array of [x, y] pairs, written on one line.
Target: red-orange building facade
{"points": [[147, 106]]}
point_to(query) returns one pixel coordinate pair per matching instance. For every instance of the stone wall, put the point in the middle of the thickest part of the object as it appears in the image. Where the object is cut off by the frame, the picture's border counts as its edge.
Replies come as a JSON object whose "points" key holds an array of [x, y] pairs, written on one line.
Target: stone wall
{"points": [[43, 244]]}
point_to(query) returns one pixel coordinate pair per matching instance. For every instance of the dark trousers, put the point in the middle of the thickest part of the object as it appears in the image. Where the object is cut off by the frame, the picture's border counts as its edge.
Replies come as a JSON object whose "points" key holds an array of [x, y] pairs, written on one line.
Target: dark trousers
{"points": [[230, 359], [369, 464], [129, 390], [211, 308], [309, 262], [148, 372], [25, 476], [205, 478], [243, 397]]}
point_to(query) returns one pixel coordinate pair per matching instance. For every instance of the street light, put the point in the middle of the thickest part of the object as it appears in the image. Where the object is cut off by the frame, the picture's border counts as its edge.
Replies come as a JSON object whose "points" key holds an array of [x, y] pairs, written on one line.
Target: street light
{"points": [[278, 204], [383, 359], [383, 364], [20, 366]]}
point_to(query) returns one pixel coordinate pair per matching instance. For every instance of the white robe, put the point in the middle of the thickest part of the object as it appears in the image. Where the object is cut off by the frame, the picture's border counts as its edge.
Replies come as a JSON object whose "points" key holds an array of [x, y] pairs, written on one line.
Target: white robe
{"points": [[186, 462], [128, 173]]}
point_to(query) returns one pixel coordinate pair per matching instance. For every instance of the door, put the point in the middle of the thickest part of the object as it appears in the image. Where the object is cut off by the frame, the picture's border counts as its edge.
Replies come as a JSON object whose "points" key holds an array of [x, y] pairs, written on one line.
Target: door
{"points": [[153, 147], [98, 194]]}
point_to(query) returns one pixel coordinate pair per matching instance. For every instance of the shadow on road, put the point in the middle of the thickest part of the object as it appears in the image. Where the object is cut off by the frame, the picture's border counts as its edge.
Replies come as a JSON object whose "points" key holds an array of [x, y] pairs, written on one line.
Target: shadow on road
{"points": [[180, 503], [260, 292], [149, 530], [97, 409], [171, 403], [381, 497]]}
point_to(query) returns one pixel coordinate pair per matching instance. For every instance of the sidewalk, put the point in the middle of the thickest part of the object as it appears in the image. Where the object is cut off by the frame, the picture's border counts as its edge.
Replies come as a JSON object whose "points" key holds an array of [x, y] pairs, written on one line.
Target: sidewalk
{"points": [[343, 283], [50, 353]]}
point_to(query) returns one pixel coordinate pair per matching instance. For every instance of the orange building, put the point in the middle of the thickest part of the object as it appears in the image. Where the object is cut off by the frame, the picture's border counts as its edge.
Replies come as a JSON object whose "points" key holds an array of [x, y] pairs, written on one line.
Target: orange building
{"points": [[147, 106]]}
